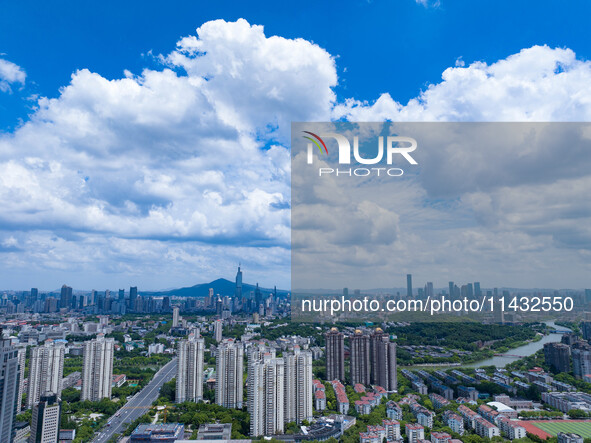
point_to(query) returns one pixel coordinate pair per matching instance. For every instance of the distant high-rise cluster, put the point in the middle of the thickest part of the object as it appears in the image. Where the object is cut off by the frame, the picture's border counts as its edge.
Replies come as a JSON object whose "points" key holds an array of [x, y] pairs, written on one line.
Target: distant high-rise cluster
{"points": [[189, 380]]}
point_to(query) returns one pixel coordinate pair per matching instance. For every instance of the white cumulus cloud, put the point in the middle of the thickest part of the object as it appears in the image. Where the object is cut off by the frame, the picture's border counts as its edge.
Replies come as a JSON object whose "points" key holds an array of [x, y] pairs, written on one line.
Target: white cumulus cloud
{"points": [[10, 73], [169, 170]]}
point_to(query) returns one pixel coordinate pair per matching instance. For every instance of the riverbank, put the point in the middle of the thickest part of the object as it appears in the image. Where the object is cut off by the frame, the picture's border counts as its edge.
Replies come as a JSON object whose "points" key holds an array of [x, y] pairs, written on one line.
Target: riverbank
{"points": [[500, 361]]}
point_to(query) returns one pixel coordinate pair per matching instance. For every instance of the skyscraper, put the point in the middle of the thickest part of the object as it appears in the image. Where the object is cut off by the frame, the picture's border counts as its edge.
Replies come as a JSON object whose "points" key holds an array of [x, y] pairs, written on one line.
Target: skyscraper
{"points": [[9, 375], [335, 355], [383, 359], [451, 288], [175, 316], [429, 289], [229, 374], [298, 386], [66, 297], [133, 298], [360, 359], [409, 285], [45, 424], [189, 379], [238, 290], [477, 290], [266, 376], [46, 370], [97, 368]]}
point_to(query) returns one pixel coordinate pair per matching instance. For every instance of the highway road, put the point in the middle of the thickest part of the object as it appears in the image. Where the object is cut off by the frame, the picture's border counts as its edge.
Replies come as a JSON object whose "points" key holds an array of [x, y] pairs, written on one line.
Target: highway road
{"points": [[138, 405]]}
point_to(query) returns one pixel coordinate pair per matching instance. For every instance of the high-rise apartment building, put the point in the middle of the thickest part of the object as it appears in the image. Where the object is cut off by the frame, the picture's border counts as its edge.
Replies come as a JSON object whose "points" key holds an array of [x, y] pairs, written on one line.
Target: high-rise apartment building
{"points": [[360, 358], [229, 388], [9, 375], [45, 424], [266, 392], [335, 355], [280, 390], [581, 352], [175, 316], [97, 368], [218, 327], [383, 361], [189, 378], [557, 356], [46, 370], [298, 386], [22, 357], [586, 329]]}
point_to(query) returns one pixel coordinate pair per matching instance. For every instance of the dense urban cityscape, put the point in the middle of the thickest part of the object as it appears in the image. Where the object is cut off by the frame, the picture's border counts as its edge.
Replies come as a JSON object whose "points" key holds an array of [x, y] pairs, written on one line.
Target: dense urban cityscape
{"points": [[224, 362]]}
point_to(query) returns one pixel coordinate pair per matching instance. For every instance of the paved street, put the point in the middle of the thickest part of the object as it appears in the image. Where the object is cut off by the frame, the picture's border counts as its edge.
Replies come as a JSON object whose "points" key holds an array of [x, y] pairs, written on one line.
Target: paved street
{"points": [[138, 405]]}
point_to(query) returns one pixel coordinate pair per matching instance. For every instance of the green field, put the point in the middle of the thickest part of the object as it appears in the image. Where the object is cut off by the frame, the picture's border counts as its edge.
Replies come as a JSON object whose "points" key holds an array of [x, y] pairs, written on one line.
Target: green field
{"points": [[583, 428]]}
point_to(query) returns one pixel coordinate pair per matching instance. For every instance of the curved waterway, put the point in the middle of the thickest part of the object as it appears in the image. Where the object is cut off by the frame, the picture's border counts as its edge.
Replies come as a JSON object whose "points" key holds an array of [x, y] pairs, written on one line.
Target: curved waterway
{"points": [[514, 354]]}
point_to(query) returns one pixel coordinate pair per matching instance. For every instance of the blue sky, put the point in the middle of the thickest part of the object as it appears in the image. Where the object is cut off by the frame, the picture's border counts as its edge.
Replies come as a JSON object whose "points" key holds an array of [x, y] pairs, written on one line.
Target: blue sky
{"points": [[401, 45], [135, 150]]}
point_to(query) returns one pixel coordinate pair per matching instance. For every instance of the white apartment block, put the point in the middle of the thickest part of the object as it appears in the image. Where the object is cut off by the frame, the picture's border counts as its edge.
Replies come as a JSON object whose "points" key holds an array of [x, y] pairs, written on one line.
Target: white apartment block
{"points": [[229, 385], [46, 371], [97, 369], [189, 378]]}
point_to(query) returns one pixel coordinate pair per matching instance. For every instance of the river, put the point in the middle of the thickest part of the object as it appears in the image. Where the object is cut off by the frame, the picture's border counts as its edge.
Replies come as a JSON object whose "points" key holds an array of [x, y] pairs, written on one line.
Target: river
{"points": [[521, 351]]}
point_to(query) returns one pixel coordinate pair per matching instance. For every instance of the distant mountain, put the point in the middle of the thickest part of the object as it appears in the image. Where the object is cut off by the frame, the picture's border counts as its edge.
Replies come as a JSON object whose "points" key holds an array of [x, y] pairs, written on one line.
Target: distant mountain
{"points": [[220, 286]]}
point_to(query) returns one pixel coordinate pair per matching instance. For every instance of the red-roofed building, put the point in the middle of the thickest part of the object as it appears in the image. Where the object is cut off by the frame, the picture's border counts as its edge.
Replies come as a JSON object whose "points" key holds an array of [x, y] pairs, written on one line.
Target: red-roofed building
{"points": [[414, 432], [118, 380], [362, 407], [485, 428], [392, 429], [320, 400], [440, 437], [366, 437]]}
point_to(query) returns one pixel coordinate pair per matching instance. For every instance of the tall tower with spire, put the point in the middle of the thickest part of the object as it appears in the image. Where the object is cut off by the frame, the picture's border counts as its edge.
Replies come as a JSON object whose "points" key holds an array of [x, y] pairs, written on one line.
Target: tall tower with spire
{"points": [[238, 291]]}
